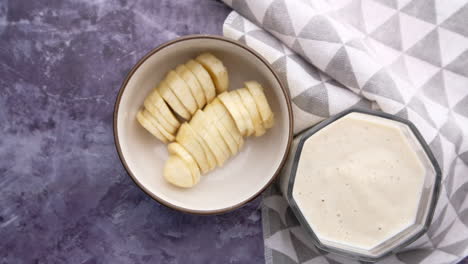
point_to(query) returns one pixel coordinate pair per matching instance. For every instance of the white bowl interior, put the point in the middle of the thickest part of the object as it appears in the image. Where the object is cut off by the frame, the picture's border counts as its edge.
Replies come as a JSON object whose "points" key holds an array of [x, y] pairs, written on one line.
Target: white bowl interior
{"points": [[243, 175]]}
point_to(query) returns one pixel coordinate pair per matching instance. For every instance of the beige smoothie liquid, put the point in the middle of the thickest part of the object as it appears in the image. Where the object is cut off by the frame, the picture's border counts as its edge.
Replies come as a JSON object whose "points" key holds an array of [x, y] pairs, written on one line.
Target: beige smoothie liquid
{"points": [[359, 181]]}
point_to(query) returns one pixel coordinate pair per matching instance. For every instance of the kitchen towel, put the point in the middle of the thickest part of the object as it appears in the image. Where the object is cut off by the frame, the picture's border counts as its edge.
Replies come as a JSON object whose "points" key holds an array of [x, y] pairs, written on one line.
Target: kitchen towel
{"points": [[405, 57]]}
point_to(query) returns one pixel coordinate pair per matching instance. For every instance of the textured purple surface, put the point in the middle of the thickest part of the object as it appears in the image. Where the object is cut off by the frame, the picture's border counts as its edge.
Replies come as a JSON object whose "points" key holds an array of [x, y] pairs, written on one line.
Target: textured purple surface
{"points": [[64, 196]]}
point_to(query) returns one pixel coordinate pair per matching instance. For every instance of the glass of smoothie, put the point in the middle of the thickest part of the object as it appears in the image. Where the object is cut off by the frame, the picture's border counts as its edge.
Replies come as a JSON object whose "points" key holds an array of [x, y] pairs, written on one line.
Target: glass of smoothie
{"points": [[363, 184]]}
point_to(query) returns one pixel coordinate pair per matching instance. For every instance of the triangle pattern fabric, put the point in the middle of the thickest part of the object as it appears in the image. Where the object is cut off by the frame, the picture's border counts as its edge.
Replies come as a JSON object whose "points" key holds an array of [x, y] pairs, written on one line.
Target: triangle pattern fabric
{"points": [[400, 69], [243, 7], [267, 39], [428, 49], [418, 106], [375, 14], [381, 83], [282, 258], [258, 8], [357, 44], [455, 87], [340, 68], [361, 60], [445, 11], [457, 22], [413, 30], [319, 53], [238, 23], [341, 98], [302, 12], [304, 252], [281, 24], [302, 79], [460, 64], [419, 71], [438, 112], [276, 225], [270, 53], [389, 33], [352, 14], [451, 45], [389, 3], [313, 72], [402, 3], [281, 242], [422, 9], [281, 69], [320, 28], [435, 90], [313, 100], [403, 113], [462, 107], [451, 131], [296, 46]]}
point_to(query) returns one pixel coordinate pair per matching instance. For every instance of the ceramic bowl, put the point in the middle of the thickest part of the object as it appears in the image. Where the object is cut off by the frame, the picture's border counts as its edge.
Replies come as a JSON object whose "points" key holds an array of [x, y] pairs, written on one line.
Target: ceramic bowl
{"points": [[244, 176]]}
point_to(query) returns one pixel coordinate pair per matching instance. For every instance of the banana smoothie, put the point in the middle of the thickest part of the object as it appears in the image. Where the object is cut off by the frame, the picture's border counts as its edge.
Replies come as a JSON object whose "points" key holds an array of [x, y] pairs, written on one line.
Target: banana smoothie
{"points": [[359, 181]]}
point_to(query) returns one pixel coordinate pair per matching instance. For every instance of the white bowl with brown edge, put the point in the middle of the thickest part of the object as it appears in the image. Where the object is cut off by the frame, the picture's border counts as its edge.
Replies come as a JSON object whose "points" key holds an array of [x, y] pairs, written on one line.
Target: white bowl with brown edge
{"points": [[245, 175]]}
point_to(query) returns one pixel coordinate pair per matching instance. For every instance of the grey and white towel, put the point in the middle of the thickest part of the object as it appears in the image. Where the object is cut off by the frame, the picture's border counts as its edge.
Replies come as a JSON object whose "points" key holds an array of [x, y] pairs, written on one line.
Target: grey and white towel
{"points": [[405, 57]]}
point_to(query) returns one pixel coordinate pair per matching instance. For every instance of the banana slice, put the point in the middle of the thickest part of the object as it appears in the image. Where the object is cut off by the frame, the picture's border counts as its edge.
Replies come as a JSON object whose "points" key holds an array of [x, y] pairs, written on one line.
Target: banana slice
{"points": [[178, 173], [172, 100], [177, 150], [154, 98], [251, 106], [203, 78], [209, 154], [262, 103], [186, 137], [156, 114], [193, 84], [216, 69], [208, 132], [226, 135], [245, 115], [227, 100], [182, 91], [226, 120], [158, 126], [145, 123]]}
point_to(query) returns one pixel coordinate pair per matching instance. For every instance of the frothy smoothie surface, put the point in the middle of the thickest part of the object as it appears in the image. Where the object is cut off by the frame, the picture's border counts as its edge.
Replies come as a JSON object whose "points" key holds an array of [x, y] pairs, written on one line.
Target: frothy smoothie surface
{"points": [[359, 181]]}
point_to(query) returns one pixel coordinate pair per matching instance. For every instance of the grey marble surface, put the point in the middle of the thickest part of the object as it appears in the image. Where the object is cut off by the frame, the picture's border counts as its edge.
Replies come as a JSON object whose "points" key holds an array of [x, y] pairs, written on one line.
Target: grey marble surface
{"points": [[64, 195]]}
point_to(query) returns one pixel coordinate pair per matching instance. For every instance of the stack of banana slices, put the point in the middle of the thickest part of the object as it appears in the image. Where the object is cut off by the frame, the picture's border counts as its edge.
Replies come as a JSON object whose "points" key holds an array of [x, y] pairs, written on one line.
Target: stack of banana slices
{"points": [[216, 120]]}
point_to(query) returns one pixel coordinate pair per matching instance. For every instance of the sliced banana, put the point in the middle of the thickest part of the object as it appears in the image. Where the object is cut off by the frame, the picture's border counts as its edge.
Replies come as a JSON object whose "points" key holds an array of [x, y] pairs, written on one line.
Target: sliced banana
{"points": [[193, 84], [177, 150], [209, 154], [208, 132], [172, 100], [262, 103], [216, 69], [228, 101], [203, 78], [145, 123], [154, 98], [251, 106], [182, 91], [156, 114], [226, 135], [187, 138], [245, 115], [177, 172], [223, 115], [158, 126]]}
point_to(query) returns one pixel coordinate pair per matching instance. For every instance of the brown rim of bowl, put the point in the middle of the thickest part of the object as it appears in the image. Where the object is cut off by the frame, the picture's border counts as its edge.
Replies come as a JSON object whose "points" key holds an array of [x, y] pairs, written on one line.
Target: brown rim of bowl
{"points": [[116, 135]]}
